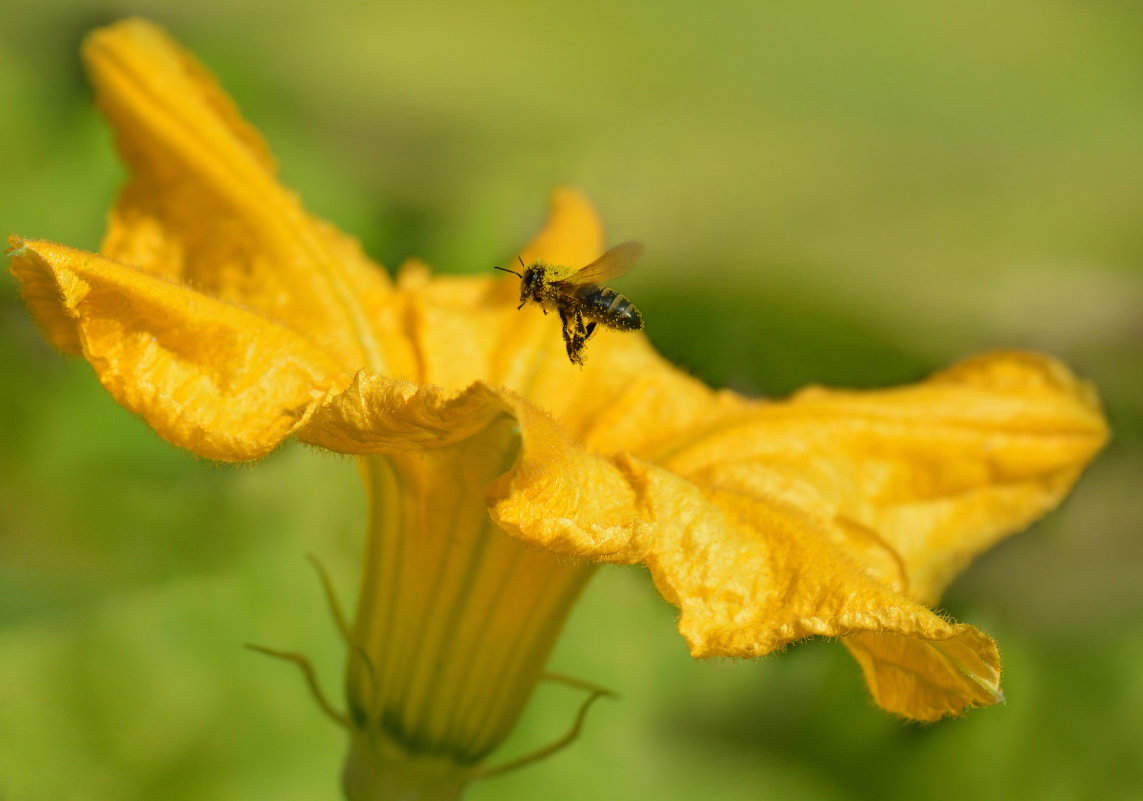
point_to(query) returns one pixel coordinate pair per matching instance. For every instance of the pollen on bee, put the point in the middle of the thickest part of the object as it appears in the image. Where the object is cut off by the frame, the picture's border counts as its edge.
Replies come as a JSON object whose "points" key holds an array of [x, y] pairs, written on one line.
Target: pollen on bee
{"points": [[580, 297]]}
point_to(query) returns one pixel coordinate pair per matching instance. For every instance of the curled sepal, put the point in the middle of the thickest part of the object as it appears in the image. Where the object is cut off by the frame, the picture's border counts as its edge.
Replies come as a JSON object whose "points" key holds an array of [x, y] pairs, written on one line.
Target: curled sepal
{"points": [[555, 747], [306, 667], [221, 381]]}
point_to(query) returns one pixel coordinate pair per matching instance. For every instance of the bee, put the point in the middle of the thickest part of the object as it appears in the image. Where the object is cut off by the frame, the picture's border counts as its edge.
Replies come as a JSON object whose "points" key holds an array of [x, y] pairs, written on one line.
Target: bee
{"points": [[579, 296]]}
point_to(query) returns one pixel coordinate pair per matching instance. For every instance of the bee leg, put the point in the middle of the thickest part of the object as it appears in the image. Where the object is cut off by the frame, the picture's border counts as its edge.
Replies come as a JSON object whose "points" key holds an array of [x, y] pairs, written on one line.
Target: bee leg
{"points": [[580, 338], [575, 336], [588, 331], [570, 336]]}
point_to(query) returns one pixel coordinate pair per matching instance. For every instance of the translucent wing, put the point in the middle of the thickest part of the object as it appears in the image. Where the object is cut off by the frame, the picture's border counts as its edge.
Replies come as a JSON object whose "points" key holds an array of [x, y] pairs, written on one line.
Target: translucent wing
{"points": [[613, 263]]}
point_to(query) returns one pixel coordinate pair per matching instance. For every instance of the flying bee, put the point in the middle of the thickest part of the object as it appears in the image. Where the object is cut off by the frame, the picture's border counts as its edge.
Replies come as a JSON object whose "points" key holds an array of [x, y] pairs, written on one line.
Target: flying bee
{"points": [[579, 296]]}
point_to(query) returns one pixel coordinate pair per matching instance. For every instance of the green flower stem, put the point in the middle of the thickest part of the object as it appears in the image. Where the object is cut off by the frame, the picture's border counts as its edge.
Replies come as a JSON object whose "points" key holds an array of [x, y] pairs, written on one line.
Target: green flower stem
{"points": [[377, 771]]}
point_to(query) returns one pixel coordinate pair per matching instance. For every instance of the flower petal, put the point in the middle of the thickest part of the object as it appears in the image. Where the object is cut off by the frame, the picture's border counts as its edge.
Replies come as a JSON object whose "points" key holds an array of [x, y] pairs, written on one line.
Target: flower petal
{"points": [[221, 381], [562, 498], [378, 414], [750, 572], [204, 206], [467, 329], [570, 501], [939, 471], [929, 679]]}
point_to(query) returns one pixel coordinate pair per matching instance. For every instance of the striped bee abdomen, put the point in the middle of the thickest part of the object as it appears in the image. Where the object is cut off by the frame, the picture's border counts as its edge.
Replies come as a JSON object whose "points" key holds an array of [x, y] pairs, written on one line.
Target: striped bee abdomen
{"points": [[605, 305]]}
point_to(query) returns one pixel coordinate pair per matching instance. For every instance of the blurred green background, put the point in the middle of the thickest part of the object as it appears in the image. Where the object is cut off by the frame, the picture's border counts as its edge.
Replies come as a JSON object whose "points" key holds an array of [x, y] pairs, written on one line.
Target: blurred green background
{"points": [[851, 194]]}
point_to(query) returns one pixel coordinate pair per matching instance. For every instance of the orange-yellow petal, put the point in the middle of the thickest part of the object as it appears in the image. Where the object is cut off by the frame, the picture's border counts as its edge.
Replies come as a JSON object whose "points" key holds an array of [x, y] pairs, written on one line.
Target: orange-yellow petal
{"points": [[378, 414], [938, 471], [929, 679], [466, 329], [750, 572], [552, 493], [219, 380], [558, 483], [565, 499], [204, 206]]}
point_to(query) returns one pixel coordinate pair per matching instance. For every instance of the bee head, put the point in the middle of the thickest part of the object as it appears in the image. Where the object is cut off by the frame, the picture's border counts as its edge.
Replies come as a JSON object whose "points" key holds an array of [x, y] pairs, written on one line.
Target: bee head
{"points": [[532, 282]]}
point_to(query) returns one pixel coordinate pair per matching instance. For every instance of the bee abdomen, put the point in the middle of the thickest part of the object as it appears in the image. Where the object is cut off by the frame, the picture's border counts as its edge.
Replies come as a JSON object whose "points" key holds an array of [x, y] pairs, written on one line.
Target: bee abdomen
{"points": [[604, 304]]}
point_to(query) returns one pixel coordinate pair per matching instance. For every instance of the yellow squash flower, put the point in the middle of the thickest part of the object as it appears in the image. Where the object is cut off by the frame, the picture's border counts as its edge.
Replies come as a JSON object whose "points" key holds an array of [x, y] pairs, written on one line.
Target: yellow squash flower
{"points": [[498, 474]]}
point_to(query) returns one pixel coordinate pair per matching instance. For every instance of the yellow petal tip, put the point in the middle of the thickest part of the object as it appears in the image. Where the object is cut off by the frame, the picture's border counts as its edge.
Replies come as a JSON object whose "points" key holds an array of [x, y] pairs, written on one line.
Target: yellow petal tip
{"points": [[16, 245], [573, 233]]}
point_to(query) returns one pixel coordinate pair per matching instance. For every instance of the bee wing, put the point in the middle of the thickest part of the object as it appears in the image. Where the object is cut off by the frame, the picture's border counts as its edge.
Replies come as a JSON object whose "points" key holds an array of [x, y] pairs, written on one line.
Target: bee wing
{"points": [[611, 264]]}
